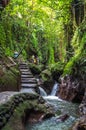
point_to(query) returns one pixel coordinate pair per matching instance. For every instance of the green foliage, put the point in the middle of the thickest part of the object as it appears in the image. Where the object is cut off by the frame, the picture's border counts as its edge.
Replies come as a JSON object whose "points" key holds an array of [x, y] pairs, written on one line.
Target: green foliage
{"points": [[8, 52], [79, 50], [46, 75], [44, 28], [57, 66], [9, 80], [51, 56], [2, 35], [57, 70], [34, 40], [36, 69]]}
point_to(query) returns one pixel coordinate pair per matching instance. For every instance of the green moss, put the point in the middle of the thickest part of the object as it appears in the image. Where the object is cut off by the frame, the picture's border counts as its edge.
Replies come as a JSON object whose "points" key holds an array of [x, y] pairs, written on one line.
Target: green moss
{"points": [[79, 50], [15, 122], [46, 75], [57, 70], [9, 80]]}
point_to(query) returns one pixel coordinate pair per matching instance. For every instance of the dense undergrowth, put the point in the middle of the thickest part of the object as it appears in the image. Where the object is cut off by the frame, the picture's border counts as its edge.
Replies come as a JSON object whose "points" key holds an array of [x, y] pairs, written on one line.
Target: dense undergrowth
{"points": [[54, 35]]}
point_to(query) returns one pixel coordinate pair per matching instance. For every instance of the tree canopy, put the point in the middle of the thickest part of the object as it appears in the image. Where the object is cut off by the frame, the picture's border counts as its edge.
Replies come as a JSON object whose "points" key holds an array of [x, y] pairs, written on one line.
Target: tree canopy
{"points": [[52, 30]]}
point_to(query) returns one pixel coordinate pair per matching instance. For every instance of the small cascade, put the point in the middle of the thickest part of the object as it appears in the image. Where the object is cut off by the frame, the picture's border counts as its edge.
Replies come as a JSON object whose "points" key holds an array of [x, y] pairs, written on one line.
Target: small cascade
{"points": [[52, 96], [54, 90], [42, 92]]}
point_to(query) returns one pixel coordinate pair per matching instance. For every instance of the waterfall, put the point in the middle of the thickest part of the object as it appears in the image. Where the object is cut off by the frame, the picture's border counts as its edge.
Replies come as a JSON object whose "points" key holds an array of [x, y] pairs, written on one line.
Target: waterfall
{"points": [[52, 95], [54, 90], [42, 92]]}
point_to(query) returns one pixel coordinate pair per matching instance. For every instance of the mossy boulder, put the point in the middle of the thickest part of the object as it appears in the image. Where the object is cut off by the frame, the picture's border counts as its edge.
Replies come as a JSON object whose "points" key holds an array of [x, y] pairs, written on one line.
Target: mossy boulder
{"points": [[47, 79], [15, 112], [46, 75]]}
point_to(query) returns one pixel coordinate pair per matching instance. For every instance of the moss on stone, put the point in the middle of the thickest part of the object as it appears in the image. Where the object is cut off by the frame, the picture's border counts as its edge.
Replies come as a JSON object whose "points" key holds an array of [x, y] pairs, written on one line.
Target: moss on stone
{"points": [[9, 81], [46, 75], [17, 113]]}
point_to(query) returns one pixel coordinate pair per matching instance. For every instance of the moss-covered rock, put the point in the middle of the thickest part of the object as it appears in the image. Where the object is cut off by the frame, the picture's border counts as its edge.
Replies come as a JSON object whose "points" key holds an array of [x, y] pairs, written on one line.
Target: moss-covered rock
{"points": [[17, 110], [9, 80]]}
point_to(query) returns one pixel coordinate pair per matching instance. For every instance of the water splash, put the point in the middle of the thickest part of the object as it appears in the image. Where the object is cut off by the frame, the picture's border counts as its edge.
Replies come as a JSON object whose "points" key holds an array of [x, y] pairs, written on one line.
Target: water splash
{"points": [[52, 97]]}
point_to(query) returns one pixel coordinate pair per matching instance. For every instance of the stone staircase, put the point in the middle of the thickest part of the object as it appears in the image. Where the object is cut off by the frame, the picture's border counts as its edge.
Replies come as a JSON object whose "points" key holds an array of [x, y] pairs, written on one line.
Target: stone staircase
{"points": [[28, 82]]}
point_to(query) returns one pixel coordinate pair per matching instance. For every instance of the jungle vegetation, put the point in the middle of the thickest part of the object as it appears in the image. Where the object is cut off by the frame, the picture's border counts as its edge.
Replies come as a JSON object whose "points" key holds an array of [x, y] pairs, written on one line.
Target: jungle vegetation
{"points": [[52, 30]]}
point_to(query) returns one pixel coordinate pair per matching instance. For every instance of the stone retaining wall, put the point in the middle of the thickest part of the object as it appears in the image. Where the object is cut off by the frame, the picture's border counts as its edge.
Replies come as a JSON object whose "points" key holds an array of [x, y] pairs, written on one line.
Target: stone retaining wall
{"points": [[7, 109]]}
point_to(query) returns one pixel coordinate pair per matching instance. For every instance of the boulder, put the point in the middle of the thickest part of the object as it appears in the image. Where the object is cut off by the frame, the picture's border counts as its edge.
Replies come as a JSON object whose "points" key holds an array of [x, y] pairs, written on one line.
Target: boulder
{"points": [[82, 107], [81, 124], [62, 118], [22, 107], [70, 89]]}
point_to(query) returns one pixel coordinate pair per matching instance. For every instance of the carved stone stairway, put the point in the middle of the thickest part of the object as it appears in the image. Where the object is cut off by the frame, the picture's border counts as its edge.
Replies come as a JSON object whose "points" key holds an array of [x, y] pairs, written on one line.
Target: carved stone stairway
{"points": [[28, 82]]}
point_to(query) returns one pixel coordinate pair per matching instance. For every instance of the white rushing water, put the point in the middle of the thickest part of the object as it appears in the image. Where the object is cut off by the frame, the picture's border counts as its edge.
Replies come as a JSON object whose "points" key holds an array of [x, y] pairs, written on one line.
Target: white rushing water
{"points": [[42, 92], [52, 97], [54, 89], [53, 92]]}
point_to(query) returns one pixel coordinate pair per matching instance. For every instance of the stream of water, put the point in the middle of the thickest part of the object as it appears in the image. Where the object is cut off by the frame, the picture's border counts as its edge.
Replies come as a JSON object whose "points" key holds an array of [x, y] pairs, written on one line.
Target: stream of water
{"points": [[60, 107]]}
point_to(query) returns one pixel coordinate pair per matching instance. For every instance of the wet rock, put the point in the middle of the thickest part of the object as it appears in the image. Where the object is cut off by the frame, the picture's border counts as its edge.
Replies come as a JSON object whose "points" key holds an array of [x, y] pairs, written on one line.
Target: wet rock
{"points": [[48, 85], [62, 118], [35, 116], [41, 100], [47, 115], [81, 124], [82, 107], [70, 89]]}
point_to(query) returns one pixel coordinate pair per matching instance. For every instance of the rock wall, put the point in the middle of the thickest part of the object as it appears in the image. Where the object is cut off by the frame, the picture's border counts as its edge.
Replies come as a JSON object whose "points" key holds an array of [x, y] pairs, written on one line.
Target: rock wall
{"points": [[74, 90], [81, 123], [71, 89], [4, 2]]}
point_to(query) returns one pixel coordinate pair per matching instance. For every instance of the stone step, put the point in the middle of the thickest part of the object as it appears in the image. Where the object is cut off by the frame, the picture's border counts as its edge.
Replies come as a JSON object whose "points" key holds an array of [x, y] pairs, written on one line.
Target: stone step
{"points": [[24, 70], [26, 76], [33, 79], [26, 73], [27, 90], [28, 85], [23, 64], [23, 67], [29, 81]]}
